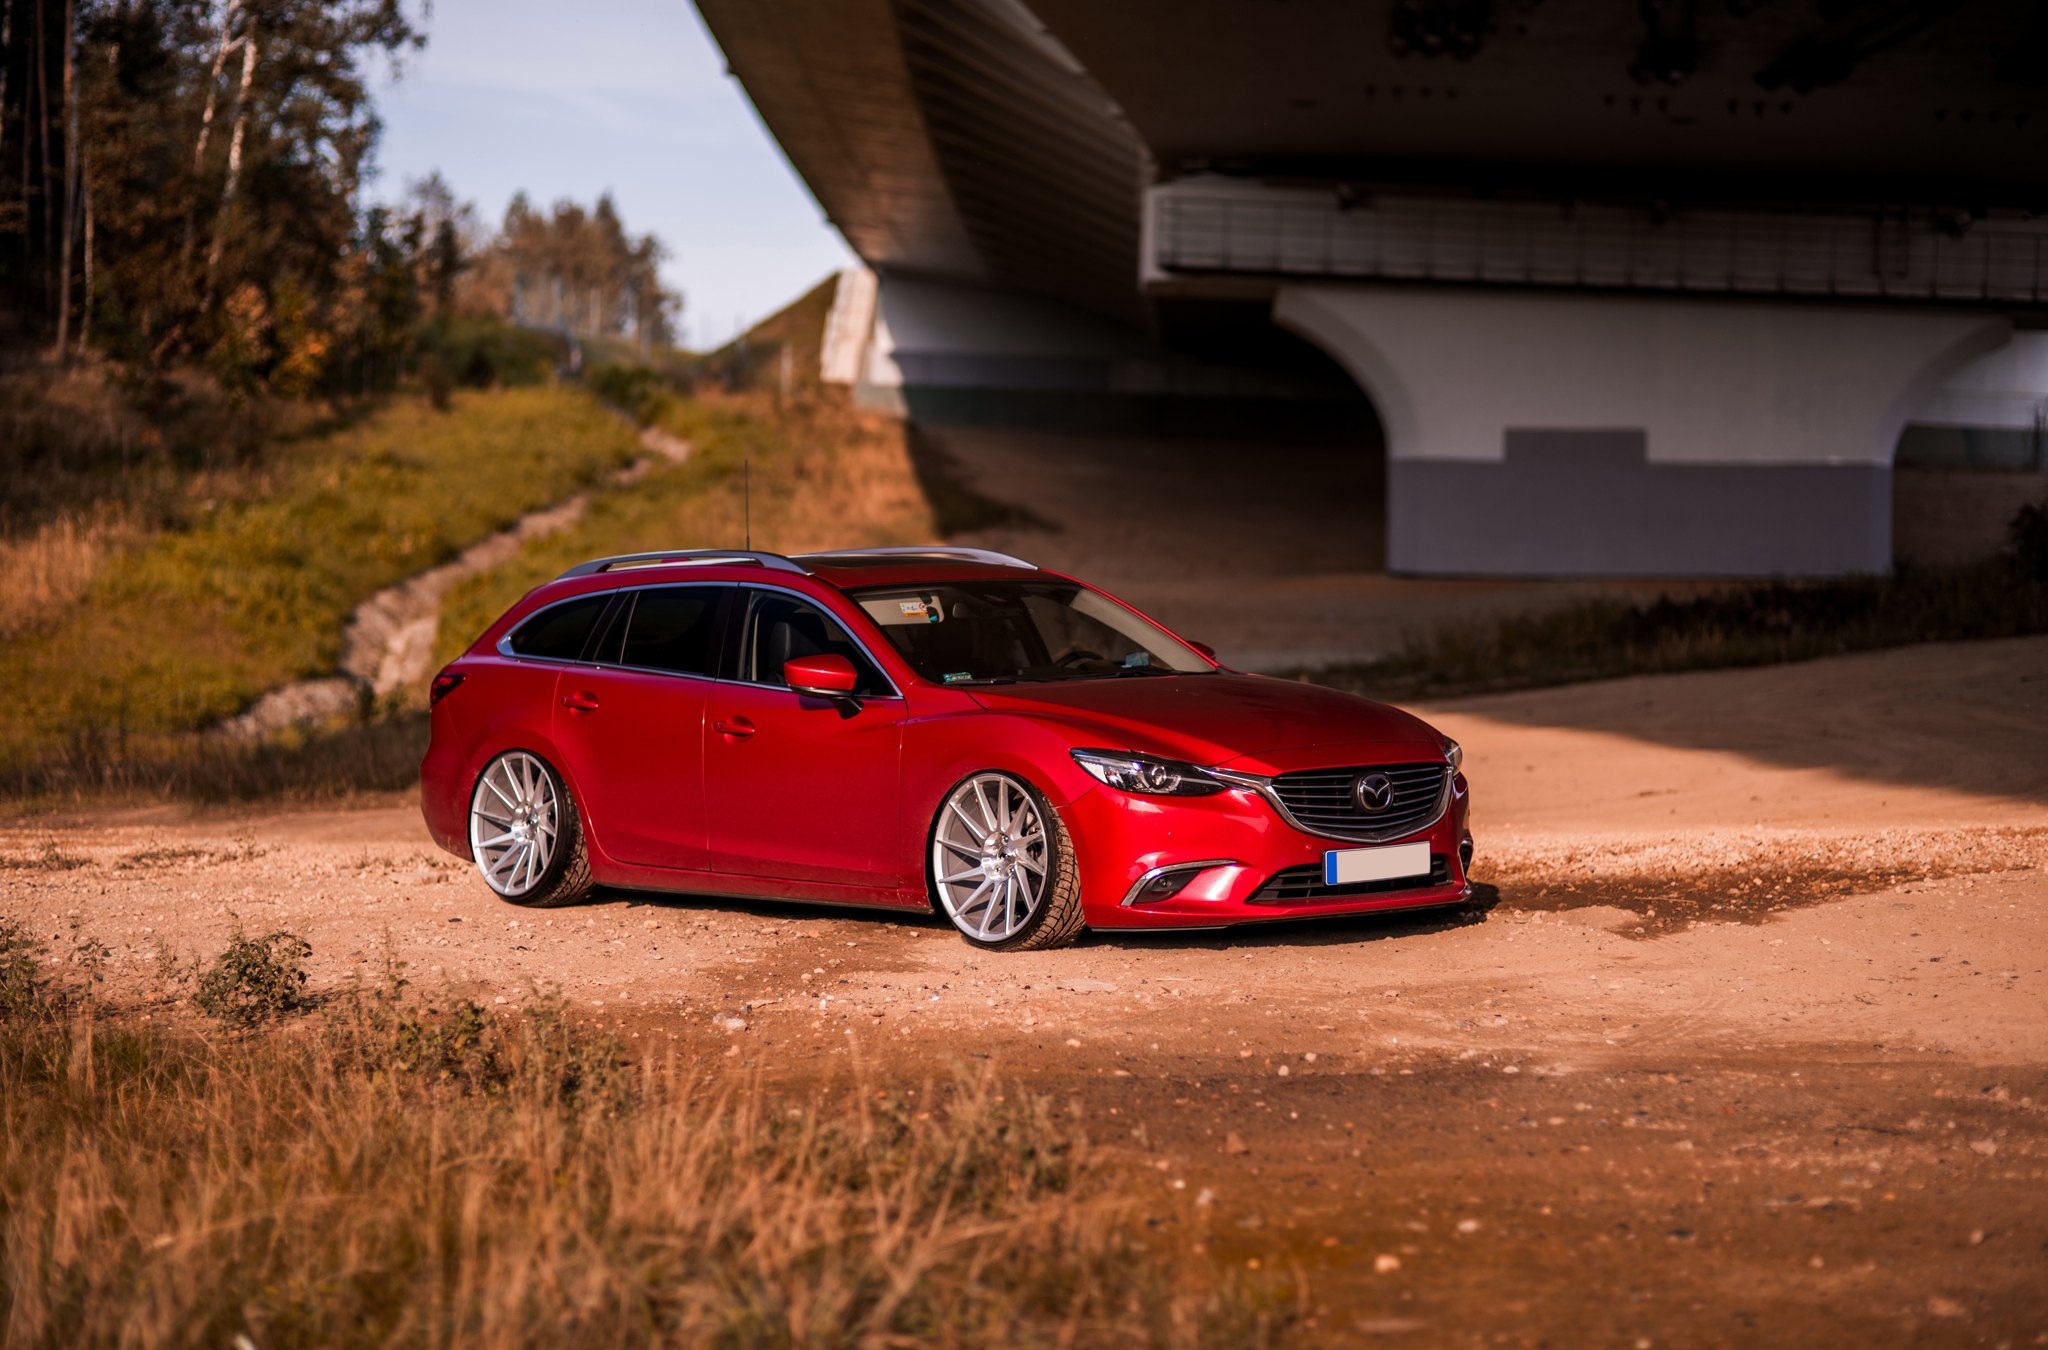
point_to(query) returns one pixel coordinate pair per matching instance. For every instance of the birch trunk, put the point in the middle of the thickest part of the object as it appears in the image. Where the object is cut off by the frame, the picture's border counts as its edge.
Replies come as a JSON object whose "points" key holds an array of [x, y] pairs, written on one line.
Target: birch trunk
{"points": [[234, 180], [220, 61]]}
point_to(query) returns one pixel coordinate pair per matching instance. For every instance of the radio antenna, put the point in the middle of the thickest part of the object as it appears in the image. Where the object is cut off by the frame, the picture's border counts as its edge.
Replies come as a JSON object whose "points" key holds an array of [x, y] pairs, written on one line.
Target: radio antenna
{"points": [[747, 498]]}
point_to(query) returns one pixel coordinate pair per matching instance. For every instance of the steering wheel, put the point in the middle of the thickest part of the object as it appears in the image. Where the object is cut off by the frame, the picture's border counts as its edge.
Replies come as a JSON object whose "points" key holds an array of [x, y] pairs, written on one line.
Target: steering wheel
{"points": [[1077, 654]]}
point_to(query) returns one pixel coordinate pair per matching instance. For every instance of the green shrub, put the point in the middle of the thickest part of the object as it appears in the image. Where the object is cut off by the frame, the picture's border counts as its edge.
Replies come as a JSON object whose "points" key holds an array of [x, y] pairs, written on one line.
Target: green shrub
{"points": [[2028, 537], [21, 978], [485, 353], [255, 980], [640, 392]]}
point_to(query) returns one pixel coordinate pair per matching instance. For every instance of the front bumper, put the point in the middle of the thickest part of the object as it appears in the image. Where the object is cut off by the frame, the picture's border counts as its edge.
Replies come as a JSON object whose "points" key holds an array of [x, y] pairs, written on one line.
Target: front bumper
{"points": [[1120, 838]]}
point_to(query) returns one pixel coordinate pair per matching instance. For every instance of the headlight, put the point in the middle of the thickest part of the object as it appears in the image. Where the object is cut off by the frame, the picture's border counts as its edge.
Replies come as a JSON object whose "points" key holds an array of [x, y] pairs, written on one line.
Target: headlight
{"points": [[1455, 753], [1146, 774]]}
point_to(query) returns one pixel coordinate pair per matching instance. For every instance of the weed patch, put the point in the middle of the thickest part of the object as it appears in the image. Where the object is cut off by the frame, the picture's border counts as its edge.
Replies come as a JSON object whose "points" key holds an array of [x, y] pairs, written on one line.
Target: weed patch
{"points": [[21, 960], [51, 859], [255, 980]]}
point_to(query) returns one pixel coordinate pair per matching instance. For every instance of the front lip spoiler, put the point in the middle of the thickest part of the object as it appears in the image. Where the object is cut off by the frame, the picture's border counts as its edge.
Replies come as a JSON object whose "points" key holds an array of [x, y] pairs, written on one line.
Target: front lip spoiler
{"points": [[1263, 785]]}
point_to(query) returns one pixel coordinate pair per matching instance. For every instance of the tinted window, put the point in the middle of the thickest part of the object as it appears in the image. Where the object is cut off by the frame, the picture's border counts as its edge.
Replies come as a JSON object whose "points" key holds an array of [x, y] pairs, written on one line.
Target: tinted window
{"points": [[673, 628], [559, 632], [781, 628]]}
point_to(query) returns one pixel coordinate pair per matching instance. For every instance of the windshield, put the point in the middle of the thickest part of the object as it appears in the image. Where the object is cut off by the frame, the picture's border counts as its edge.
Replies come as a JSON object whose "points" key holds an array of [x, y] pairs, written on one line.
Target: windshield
{"points": [[1000, 632]]}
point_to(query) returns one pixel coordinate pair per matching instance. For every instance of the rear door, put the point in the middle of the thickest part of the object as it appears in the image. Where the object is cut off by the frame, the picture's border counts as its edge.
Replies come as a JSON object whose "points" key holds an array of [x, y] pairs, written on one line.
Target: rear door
{"points": [[801, 788], [630, 723]]}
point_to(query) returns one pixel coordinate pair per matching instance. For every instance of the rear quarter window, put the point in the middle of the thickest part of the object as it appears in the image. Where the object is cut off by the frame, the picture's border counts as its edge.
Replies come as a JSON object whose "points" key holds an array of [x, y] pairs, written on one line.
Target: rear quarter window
{"points": [[674, 628], [559, 632]]}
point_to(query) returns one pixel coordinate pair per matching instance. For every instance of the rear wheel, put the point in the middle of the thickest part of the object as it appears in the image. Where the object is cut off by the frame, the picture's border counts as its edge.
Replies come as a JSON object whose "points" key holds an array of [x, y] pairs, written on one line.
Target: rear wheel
{"points": [[525, 834], [1002, 865]]}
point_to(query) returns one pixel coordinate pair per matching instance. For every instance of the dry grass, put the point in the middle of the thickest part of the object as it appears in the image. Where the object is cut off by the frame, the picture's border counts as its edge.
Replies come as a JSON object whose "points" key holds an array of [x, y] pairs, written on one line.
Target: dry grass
{"points": [[393, 1174], [131, 645], [377, 754], [824, 475], [75, 438], [54, 565], [195, 625]]}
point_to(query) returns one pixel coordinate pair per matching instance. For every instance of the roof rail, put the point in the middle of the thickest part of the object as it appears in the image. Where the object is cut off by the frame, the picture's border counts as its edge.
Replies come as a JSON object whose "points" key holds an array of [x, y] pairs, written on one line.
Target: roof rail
{"points": [[978, 555], [688, 557]]}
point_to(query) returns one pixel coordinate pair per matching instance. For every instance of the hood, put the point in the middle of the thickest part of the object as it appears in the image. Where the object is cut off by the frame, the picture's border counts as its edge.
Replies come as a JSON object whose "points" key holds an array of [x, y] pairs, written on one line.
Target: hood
{"points": [[1211, 719]]}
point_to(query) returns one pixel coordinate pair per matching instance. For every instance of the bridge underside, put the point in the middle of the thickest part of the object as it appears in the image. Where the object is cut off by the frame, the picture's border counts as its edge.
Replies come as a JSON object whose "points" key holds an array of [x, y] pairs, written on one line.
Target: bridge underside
{"points": [[1658, 289]]}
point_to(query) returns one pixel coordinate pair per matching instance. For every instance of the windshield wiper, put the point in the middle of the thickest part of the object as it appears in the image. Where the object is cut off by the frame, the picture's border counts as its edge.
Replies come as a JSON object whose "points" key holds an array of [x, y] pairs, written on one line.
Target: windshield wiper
{"points": [[1004, 679]]}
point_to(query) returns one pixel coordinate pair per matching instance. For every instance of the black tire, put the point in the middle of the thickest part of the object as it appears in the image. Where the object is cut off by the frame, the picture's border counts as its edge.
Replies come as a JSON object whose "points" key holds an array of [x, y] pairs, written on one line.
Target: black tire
{"points": [[565, 879], [1058, 918]]}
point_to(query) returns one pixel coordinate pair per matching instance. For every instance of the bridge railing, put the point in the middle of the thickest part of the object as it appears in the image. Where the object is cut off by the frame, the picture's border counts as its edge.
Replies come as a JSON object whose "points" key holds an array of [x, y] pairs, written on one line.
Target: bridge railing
{"points": [[1294, 233]]}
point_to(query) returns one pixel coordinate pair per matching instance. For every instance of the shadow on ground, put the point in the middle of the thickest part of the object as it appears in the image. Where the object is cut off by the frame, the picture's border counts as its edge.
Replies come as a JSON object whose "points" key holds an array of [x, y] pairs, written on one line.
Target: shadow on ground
{"points": [[1966, 717]]}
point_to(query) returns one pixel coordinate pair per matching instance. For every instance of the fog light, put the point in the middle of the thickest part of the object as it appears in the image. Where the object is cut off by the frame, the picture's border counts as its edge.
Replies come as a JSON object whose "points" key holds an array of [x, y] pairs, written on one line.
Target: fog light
{"points": [[1163, 883], [1465, 856], [1165, 886]]}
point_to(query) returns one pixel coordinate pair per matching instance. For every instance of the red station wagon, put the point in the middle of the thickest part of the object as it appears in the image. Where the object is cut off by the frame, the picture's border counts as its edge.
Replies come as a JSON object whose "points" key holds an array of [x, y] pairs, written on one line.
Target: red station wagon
{"points": [[920, 728]]}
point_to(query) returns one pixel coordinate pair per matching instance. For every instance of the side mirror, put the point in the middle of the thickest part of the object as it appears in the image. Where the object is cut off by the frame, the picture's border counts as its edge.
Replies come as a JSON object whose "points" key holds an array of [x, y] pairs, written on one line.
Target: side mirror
{"points": [[1205, 649], [821, 676]]}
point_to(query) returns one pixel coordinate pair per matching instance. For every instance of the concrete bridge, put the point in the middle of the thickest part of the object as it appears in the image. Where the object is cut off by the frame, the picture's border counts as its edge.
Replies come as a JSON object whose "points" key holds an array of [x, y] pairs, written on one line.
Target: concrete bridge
{"points": [[1686, 287]]}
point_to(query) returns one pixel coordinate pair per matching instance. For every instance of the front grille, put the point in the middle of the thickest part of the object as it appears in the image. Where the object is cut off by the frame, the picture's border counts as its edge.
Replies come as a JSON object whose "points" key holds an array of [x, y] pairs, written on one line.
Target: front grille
{"points": [[1304, 885], [1322, 800]]}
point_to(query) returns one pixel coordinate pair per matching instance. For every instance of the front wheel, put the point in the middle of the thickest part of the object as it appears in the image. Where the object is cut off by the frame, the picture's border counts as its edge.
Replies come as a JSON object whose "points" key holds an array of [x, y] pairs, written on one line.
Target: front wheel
{"points": [[525, 834], [1002, 865]]}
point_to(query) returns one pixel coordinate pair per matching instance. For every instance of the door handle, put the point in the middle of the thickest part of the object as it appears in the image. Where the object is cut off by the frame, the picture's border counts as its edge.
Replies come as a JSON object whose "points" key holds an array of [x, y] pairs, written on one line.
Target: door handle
{"points": [[580, 701], [738, 727]]}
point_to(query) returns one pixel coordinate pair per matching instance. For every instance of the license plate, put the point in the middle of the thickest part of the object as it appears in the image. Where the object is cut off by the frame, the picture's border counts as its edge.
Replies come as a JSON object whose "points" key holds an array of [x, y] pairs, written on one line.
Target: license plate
{"points": [[1349, 866]]}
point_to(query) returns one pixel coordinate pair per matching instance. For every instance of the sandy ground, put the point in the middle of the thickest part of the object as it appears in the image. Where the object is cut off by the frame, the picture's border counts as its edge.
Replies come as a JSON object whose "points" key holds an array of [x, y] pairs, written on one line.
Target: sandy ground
{"points": [[1746, 1041]]}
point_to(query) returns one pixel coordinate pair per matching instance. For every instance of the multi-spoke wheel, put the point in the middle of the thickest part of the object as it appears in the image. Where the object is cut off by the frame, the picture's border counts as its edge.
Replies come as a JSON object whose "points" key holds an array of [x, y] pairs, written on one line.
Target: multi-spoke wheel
{"points": [[524, 833], [1003, 865]]}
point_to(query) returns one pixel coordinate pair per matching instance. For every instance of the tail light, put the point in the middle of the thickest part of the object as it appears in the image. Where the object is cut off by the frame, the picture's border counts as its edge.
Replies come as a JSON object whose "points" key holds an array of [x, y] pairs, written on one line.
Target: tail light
{"points": [[444, 685]]}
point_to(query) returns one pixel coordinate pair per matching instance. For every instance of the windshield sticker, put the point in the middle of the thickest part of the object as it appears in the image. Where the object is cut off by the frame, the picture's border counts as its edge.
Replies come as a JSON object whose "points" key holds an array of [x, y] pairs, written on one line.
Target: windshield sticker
{"points": [[893, 611], [1136, 659], [958, 676]]}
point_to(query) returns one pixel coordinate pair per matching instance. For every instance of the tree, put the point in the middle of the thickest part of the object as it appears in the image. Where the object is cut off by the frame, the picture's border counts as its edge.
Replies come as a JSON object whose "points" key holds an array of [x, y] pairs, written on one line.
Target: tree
{"points": [[582, 273], [214, 145]]}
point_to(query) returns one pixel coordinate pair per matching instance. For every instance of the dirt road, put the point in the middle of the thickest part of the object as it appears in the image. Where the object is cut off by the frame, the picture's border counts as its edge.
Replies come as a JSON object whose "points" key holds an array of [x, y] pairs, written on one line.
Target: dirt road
{"points": [[1746, 1042]]}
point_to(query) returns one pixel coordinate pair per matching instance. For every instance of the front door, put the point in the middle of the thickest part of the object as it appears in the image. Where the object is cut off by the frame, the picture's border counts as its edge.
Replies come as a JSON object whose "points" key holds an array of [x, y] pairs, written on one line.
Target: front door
{"points": [[631, 725], [801, 788]]}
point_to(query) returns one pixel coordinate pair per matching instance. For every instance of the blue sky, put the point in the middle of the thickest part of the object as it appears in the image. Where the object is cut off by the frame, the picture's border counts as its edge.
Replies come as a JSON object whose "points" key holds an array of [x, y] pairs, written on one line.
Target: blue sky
{"points": [[630, 95]]}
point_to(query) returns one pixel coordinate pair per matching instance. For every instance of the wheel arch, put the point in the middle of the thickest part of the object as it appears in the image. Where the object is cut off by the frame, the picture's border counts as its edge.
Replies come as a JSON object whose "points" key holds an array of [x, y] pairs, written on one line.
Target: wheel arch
{"points": [[947, 751]]}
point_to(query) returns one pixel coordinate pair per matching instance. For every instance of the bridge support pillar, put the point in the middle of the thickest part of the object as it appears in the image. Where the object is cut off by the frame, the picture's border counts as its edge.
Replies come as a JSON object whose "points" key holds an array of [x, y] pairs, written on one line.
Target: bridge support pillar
{"points": [[1542, 434]]}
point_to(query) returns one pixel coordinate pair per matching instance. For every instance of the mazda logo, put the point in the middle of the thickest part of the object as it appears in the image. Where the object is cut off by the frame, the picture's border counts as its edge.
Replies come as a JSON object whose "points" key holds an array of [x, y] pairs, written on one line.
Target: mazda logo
{"points": [[1374, 791]]}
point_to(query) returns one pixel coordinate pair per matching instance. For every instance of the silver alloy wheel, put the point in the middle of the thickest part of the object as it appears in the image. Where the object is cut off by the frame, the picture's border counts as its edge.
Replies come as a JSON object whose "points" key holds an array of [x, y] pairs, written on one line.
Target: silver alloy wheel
{"points": [[989, 857], [514, 823]]}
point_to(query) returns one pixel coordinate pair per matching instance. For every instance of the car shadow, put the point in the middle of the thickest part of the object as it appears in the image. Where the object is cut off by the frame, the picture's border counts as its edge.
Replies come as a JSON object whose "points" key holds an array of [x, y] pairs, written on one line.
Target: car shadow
{"points": [[1334, 930], [1322, 931], [764, 908]]}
